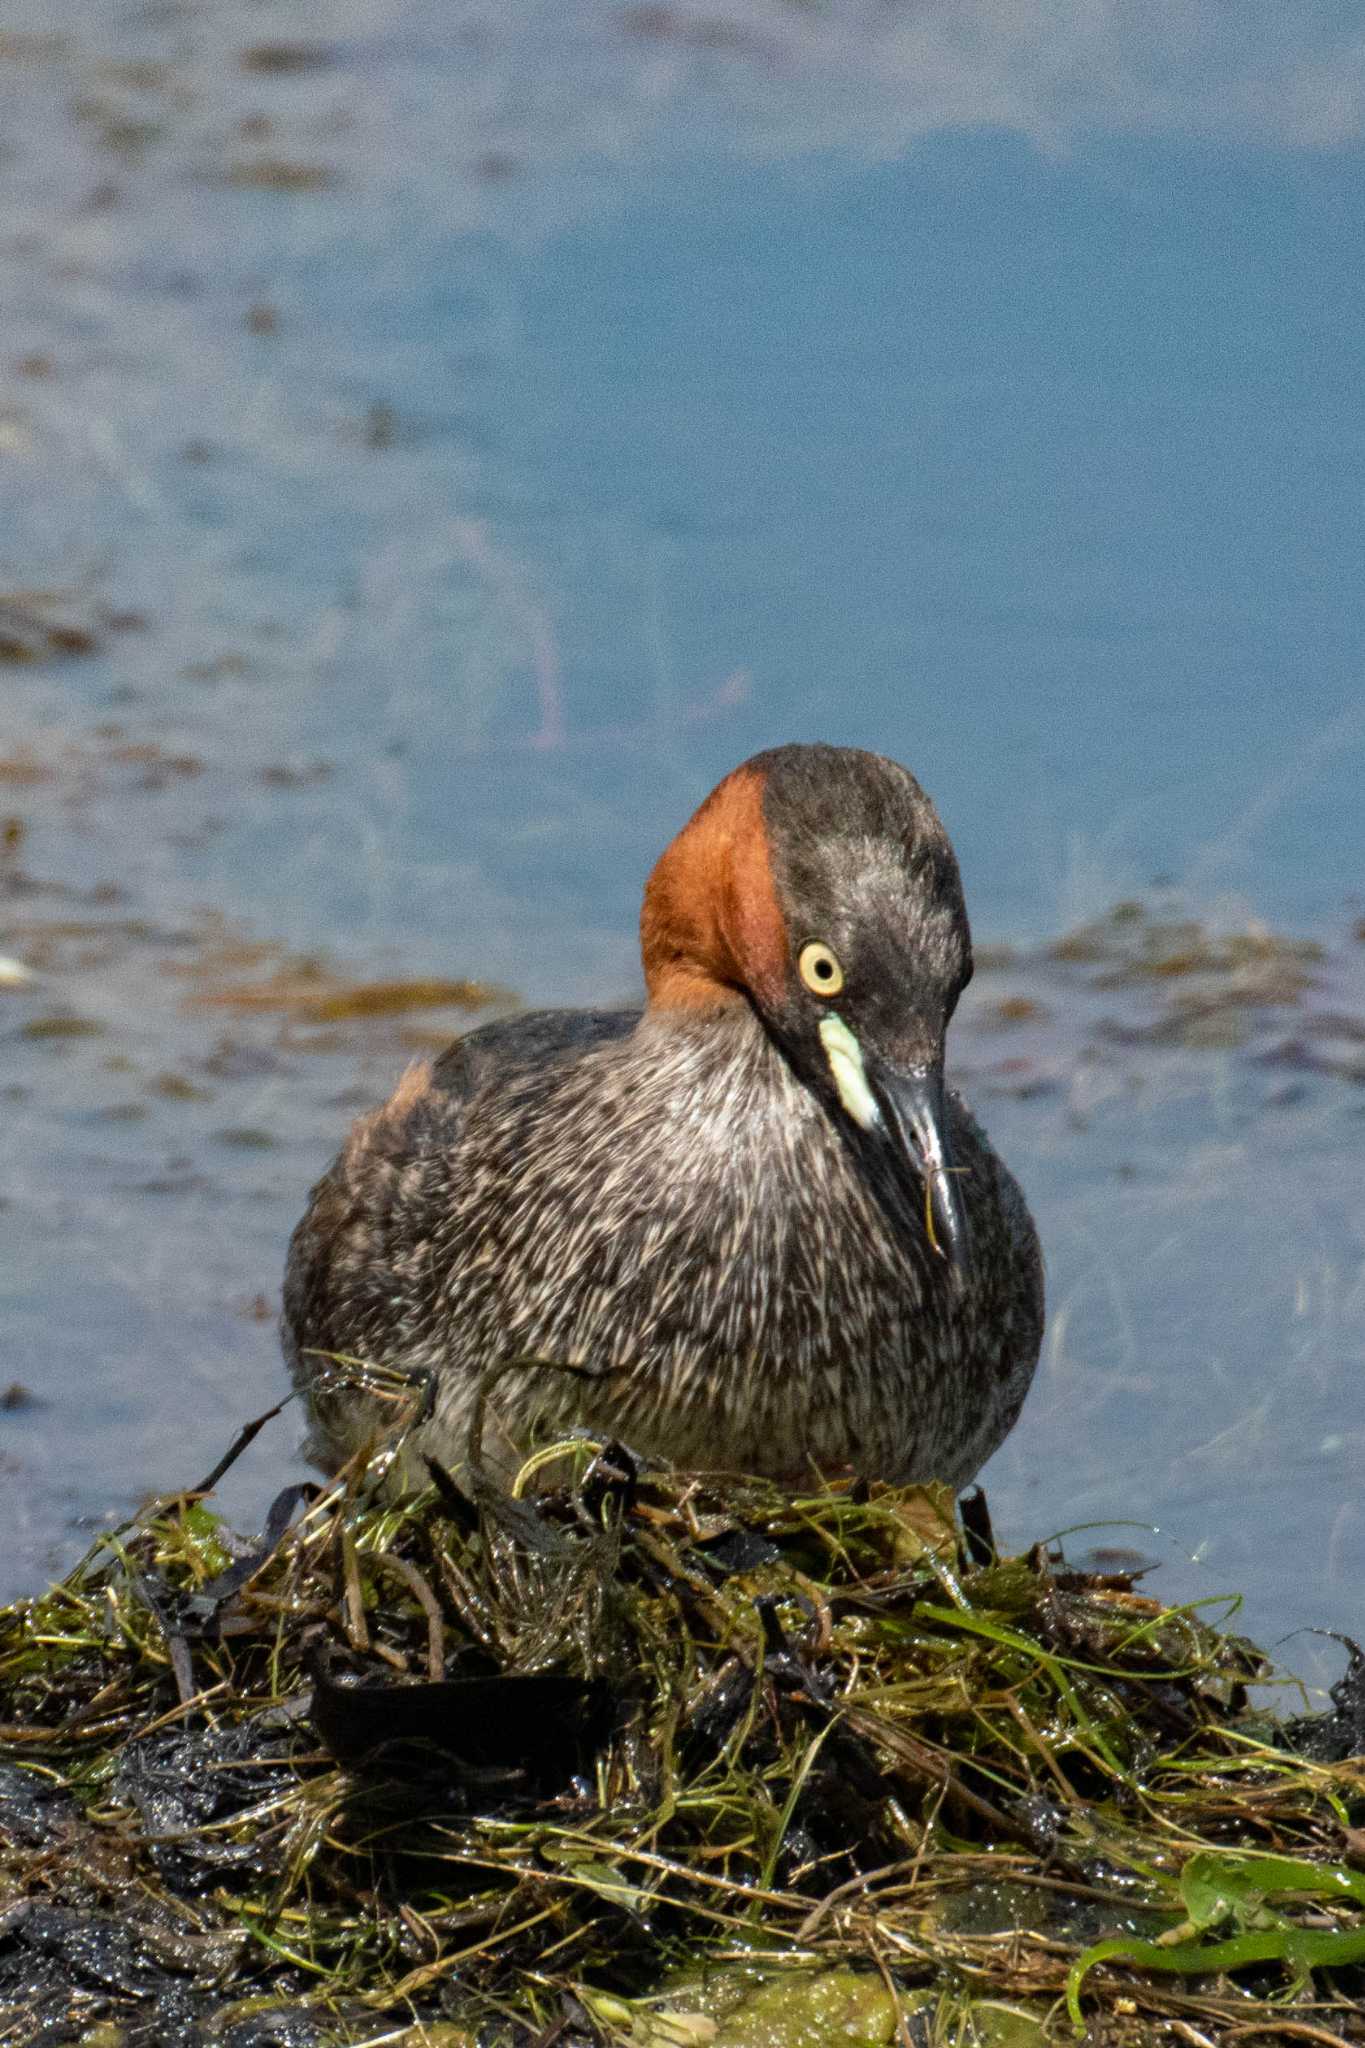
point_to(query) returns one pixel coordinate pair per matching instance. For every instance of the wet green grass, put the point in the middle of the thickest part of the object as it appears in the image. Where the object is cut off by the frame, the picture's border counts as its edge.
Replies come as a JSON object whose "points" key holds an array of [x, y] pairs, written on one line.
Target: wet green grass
{"points": [[659, 1759]]}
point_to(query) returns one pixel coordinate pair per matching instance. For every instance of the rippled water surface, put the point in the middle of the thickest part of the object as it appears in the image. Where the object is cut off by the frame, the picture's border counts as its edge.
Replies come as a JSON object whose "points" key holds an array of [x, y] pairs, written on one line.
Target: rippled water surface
{"points": [[435, 445]]}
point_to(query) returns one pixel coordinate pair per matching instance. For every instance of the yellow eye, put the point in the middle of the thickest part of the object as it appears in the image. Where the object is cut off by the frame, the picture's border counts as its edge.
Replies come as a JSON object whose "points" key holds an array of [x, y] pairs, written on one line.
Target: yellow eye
{"points": [[820, 970]]}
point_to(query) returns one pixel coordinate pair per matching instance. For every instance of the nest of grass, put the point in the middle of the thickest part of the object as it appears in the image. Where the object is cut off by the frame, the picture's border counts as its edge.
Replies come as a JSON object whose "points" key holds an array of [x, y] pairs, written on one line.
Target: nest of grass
{"points": [[659, 1759]]}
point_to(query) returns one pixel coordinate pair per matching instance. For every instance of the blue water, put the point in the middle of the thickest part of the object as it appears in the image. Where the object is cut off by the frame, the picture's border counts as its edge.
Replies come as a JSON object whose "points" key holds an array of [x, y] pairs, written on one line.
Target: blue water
{"points": [[635, 389]]}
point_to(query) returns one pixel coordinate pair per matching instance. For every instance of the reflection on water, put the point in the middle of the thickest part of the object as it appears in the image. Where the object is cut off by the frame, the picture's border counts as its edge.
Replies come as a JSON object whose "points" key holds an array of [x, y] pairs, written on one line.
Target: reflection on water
{"points": [[434, 448]]}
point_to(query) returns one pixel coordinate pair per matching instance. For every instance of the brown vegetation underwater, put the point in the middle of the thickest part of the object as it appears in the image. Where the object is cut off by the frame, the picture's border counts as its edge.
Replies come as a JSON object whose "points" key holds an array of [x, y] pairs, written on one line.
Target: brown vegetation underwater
{"points": [[659, 1759]]}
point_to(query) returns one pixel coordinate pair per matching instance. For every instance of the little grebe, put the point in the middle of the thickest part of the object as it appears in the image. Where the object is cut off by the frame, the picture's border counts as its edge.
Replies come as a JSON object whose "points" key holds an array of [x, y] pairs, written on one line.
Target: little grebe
{"points": [[751, 1215]]}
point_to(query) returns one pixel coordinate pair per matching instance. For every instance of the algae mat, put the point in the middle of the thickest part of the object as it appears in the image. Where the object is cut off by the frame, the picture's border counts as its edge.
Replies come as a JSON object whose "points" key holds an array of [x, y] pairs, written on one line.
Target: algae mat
{"points": [[653, 1758]]}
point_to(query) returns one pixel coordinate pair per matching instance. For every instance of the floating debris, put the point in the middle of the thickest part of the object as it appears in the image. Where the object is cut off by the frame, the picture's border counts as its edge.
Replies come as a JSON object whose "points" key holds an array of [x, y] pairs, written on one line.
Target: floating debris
{"points": [[62, 1025], [287, 775], [280, 174], [312, 993], [1155, 978], [287, 59], [21, 770], [1133, 945], [33, 627]]}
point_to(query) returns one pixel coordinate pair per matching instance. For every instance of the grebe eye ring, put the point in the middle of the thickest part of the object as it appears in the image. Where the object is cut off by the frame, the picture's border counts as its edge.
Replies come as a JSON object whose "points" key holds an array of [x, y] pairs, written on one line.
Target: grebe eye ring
{"points": [[820, 970]]}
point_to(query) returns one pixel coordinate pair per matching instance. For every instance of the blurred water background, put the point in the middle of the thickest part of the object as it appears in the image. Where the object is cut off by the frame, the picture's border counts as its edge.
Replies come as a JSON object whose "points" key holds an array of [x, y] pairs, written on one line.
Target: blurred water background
{"points": [[437, 441]]}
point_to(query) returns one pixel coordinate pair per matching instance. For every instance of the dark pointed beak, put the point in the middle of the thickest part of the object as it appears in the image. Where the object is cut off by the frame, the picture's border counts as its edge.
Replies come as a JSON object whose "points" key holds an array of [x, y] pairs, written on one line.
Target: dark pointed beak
{"points": [[915, 1107]]}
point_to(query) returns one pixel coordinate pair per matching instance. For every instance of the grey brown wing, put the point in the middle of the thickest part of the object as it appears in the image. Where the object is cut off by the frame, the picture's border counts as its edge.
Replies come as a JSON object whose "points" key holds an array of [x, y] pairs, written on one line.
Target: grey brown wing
{"points": [[357, 1260], [361, 1279]]}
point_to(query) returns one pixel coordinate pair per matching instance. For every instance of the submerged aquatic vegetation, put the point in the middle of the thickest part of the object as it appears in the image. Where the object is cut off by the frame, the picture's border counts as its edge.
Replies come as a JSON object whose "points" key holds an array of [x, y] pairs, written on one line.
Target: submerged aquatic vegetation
{"points": [[656, 1758]]}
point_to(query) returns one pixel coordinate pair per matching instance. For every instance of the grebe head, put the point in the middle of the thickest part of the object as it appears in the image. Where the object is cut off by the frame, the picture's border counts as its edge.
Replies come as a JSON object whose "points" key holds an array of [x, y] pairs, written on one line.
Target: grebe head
{"points": [[818, 885]]}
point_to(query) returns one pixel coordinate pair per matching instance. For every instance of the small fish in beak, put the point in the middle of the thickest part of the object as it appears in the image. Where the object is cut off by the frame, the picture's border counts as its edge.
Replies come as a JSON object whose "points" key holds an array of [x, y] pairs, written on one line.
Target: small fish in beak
{"points": [[908, 1107], [915, 1106]]}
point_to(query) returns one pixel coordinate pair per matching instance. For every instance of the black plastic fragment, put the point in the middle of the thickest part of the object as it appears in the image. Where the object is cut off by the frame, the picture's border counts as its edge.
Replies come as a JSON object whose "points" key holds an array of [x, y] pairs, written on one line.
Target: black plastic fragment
{"points": [[282, 1511], [188, 1617], [1332, 1737], [535, 1730], [611, 1480], [458, 1507], [737, 1550], [978, 1537]]}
